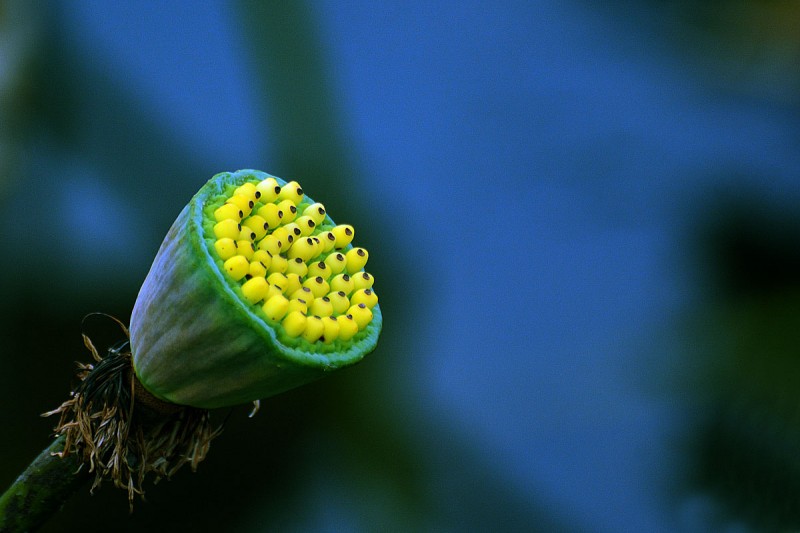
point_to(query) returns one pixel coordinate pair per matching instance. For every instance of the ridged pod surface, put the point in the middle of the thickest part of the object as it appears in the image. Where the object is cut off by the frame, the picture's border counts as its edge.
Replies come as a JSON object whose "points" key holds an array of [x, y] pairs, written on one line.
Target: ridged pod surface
{"points": [[197, 339]]}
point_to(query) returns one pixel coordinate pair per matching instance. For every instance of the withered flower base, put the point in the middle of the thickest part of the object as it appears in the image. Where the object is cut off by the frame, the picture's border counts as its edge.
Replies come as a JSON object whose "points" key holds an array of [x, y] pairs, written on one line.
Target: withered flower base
{"points": [[121, 432]]}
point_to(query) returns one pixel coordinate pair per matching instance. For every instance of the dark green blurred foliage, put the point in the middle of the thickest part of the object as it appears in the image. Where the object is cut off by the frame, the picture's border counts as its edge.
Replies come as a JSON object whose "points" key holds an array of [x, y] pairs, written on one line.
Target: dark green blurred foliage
{"points": [[745, 447]]}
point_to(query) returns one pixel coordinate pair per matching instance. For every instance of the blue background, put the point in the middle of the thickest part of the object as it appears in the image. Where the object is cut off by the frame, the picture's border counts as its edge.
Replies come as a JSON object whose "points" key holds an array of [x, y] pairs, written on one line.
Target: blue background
{"points": [[534, 181]]}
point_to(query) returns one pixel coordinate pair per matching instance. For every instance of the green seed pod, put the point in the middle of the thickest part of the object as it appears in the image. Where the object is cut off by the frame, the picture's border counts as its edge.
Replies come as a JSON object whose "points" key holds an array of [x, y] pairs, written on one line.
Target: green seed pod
{"points": [[205, 332]]}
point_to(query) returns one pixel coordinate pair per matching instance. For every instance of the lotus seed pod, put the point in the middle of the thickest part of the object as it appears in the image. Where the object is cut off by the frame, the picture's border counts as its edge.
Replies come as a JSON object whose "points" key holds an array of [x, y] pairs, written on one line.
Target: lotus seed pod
{"points": [[210, 330]]}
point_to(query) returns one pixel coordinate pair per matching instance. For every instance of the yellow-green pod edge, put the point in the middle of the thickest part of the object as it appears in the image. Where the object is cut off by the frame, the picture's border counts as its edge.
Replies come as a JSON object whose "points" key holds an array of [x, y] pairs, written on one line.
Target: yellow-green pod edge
{"points": [[194, 339]]}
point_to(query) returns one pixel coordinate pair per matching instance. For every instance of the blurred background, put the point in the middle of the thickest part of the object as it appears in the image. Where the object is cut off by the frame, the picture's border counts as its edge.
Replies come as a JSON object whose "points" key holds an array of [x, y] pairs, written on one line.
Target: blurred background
{"points": [[584, 222]]}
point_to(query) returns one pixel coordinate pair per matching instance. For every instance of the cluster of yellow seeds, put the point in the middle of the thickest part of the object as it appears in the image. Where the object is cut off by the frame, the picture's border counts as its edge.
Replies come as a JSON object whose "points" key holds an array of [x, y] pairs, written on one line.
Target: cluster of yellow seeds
{"points": [[292, 263]]}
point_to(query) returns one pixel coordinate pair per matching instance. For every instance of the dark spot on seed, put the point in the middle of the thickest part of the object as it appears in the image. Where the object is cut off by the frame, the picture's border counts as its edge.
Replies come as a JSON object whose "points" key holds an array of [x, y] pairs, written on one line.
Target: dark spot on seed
{"points": [[290, 238], [293, 209], [239, 227], [326, 299], [339, 257], [263, 265], [306, 289], [277, 189], [280, 213], [297, 231], [367, 291], [299, 191], [341, 293], [280, 244], [365, 275], [252, 247], [331, 236], [258, 194], [322, 265], [235, 244], [319, 279], [311, 224], [322, 338], [321, 211], [349, 316], [298, 260], [301, 300], [247, 276], [310, 241], [266, 226], [250, 203], [348, 231], [346, 277], [241, 214], [362, 306], [360, 252]]}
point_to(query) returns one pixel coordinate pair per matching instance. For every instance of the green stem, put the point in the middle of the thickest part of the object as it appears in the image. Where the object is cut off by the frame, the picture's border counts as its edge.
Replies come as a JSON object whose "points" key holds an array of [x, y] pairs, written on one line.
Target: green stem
{"points": [[40, 490]]}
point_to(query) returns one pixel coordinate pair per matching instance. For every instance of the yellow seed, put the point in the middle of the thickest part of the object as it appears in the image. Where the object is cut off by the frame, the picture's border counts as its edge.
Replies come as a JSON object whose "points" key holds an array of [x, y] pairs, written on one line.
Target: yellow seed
{"points": [[331, 331], [319, 269], [245, 248], [227, 228], [244, 203], [342, 282], [303, 293], [314, 329], [276, 278], [291, 191], [276, 307], [278, 264], [273, 290], [293, 230], [289, 211], [347, 327], [339, 301], [303, 248], [263, 257], [269, 189], [297, 266], [306, 225], [293, 283], [257, 224], [294, 324], [298, 304], [318, 286], [270, 244], [356, 259], [321, 306], [344, 235], [248, 189], [254, 289], [237, 267], [257, 269], [225, 247], [336, 263], [246, 234], [319, 247], [284, 238], [363, 280], [364, 296], [271, 214], [316, 212], [228, 211], [361, 315], [328, 240]]}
